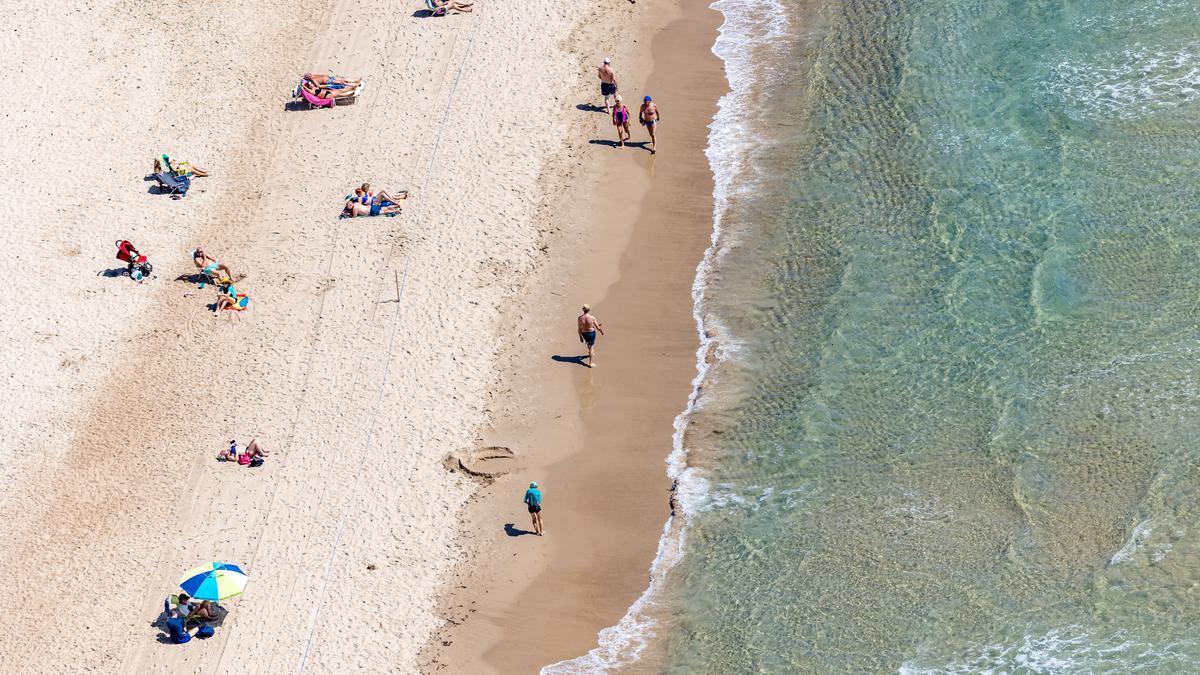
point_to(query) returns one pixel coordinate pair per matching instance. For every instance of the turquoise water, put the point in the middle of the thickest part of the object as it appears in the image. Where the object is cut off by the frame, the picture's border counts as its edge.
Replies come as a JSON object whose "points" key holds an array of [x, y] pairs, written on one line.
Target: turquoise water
{"points": [[954, 422]]}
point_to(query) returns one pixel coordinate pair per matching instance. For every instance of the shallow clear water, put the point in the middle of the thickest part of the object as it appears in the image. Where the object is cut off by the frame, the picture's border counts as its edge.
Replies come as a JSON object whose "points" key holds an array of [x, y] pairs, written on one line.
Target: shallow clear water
{"points": [[954, 424]]}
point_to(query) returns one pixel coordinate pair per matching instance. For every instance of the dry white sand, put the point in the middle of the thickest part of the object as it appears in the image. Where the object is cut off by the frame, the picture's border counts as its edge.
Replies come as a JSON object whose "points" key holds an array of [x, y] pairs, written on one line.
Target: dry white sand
{"points": [[117, 396]]}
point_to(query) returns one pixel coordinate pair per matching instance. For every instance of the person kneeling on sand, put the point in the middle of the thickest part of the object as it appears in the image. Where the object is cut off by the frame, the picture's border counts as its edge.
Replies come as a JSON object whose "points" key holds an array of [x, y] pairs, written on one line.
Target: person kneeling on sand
{"points": [[533, 499]]}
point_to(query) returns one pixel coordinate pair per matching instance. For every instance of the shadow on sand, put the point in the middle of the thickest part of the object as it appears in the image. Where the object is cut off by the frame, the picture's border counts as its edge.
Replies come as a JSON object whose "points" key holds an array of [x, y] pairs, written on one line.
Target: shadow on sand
{"points": [[577, 360], [513, 531]]}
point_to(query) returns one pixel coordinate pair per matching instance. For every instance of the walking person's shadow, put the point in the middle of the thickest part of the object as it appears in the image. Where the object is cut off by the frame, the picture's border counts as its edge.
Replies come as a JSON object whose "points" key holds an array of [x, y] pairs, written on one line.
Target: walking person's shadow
{"points": [[577, 360], [513, 531]]}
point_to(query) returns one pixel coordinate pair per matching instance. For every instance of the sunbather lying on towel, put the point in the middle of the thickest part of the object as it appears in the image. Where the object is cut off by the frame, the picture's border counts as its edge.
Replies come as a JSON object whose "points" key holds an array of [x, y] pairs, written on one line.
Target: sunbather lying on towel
{"points": [[380, 197], [323, 91], [208, 265], [205, 610], [354, 207], [324, 80]]}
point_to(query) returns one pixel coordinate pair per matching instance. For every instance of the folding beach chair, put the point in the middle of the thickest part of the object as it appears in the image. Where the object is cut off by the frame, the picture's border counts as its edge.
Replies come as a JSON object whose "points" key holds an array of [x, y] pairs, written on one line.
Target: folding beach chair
{"points": [[434, 10], [174, 185]]}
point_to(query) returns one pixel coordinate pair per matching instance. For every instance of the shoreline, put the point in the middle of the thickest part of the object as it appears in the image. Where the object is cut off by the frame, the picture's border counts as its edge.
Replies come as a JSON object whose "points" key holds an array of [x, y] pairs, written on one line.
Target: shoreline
{"points": [[599, 440]]}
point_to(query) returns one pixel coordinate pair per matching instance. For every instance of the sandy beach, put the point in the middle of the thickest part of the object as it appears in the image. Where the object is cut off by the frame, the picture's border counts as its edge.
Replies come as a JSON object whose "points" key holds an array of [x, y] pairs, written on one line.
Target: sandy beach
{"points": [[368, 354], [596, 440]]}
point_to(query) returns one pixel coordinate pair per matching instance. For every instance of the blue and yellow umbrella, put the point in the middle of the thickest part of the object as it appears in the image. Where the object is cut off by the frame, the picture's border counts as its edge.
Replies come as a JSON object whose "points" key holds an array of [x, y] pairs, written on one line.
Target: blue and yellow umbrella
{"points": [[214, 581]]}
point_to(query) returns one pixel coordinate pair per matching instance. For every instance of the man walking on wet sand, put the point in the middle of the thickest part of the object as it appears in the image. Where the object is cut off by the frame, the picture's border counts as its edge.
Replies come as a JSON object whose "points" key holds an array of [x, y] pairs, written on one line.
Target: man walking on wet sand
{"points": [[649, 118], [608, 82], [533, 499], [588, 325]]}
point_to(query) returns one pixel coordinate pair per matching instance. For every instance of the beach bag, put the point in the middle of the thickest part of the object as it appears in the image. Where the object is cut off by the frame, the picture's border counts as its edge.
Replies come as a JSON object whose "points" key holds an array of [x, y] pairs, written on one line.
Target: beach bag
{"points": [[244, 459], [179, 635], [256, 462], [205, 631]]}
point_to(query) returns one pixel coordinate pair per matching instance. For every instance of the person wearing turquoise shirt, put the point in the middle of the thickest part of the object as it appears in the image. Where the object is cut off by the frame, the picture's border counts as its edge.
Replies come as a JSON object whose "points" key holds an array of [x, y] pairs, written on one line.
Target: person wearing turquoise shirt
{"points": [[533, 499]]}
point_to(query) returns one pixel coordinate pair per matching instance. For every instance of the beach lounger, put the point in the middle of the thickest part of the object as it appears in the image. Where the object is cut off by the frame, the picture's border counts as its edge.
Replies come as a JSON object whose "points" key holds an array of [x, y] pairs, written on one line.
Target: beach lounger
{"points": [[174, 185]]}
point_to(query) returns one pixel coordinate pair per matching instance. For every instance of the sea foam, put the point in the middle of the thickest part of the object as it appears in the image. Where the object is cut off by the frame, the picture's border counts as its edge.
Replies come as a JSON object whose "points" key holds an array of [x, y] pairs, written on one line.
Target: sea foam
{"points": [[749, 25]]}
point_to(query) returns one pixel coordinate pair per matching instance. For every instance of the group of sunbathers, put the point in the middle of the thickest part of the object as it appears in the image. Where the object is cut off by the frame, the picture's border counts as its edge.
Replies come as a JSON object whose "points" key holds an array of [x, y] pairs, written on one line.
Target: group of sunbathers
{"points": [[367, 203], [328, 86]]}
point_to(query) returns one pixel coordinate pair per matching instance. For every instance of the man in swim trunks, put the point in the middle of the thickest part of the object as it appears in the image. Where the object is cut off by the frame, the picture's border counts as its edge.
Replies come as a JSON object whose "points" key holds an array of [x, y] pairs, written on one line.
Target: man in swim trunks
{"points": [[208, 265], [355, 208], [620, 120], [324, 80], [533, 499], [648, 117], [588, 325], [608, 82]]}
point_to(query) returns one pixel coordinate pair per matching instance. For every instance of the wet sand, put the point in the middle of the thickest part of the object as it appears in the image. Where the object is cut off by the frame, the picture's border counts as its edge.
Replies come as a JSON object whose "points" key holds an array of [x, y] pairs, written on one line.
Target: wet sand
{"points": [[595, 439]]}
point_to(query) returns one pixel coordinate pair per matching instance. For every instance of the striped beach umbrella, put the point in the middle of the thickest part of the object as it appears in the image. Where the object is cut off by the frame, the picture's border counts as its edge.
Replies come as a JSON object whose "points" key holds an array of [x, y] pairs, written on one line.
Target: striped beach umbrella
{"points": [[214, 581]]}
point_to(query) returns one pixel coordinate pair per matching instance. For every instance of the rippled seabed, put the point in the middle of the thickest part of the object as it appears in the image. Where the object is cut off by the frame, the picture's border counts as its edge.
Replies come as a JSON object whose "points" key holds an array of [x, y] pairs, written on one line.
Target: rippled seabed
{"points": [[959, 429]]}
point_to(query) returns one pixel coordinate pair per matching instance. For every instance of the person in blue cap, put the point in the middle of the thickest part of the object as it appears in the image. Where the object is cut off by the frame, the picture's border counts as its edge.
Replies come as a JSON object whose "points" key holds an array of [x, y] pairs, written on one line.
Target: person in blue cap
{"points": [[648, 117], [533, 499]]}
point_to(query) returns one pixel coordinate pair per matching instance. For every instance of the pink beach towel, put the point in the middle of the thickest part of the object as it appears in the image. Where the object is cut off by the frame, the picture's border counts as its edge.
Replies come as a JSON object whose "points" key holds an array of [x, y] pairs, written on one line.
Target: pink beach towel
{"points": [[315, 101]]}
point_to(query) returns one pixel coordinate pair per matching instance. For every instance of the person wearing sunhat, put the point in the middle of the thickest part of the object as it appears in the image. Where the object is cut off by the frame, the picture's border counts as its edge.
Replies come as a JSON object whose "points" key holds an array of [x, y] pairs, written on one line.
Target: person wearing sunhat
{"points": [[533, 499]]}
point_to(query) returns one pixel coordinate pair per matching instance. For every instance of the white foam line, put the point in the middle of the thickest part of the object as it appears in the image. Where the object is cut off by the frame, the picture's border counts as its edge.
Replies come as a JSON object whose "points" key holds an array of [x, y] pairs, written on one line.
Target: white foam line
{"points": [[623, 644]]}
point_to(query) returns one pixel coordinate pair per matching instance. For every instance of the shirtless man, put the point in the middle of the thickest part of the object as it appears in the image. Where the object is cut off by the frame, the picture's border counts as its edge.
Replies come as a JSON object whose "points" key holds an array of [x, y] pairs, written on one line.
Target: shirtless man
{"points": [[608, 82], [588, 325], [325, 80], [208, 265], [648, 117], [355, 208]]}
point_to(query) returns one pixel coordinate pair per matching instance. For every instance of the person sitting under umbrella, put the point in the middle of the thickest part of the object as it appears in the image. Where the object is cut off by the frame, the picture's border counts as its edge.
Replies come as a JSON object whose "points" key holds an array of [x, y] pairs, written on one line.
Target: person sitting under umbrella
{"points": [[205, 610]]}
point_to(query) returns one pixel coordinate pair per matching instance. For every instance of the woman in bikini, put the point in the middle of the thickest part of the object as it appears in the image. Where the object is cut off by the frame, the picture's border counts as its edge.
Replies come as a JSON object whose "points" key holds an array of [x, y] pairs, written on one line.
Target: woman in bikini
{"points": [[325, 92]]}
